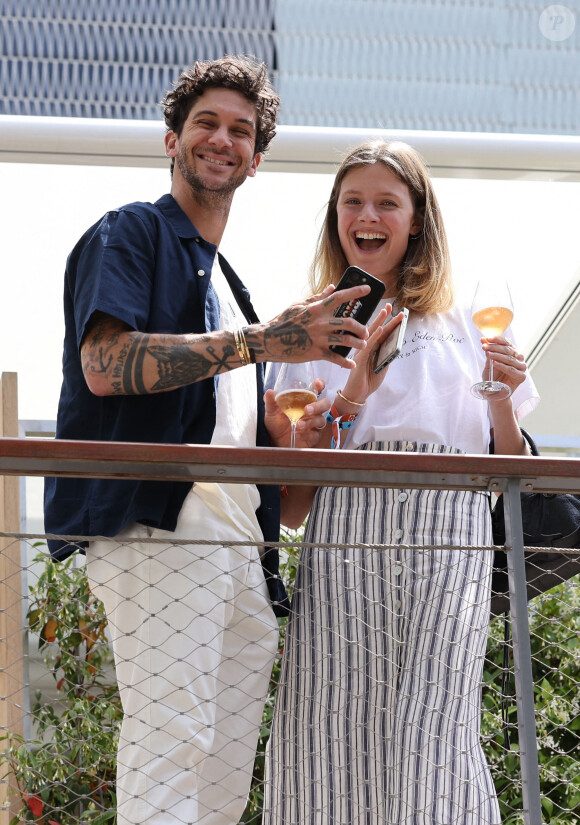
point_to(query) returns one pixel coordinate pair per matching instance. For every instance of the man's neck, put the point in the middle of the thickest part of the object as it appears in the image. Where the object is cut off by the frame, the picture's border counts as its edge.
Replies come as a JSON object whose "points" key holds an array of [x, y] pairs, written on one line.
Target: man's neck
{"points": [[209, 215]]}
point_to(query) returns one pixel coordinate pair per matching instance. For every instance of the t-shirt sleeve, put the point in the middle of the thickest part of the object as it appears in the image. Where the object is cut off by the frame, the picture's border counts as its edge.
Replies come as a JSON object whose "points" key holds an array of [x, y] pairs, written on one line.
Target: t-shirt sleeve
{"points": [[525, 397], [114, 272]]}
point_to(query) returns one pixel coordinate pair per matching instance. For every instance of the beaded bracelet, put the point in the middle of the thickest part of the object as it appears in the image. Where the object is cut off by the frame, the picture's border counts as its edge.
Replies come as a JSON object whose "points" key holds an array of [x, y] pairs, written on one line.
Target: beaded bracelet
{"points": [[339, 422]]}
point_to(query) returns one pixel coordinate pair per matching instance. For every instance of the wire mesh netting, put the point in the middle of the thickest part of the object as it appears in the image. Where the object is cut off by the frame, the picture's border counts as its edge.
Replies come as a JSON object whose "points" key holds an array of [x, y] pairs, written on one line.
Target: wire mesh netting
{"points": [[60, 684]]}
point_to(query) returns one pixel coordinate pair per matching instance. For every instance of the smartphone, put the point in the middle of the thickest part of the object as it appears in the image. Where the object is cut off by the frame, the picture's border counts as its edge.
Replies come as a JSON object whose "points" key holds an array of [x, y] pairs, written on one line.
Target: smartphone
{"points": [[360, 309], [392, 346]]}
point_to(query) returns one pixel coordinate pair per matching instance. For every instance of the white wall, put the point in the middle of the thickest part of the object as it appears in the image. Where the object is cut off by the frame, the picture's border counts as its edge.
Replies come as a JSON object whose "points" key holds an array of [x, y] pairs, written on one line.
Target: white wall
{"points": [[527, 229]]}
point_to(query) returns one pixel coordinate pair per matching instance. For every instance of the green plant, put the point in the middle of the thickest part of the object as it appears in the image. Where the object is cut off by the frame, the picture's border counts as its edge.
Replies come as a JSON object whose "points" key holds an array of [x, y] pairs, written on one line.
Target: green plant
{"points": [[555, 642], [66, 775]]}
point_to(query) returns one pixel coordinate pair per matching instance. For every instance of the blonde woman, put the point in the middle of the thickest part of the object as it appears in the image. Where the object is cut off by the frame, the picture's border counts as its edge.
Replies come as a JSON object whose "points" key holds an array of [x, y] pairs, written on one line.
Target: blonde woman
{"points": [[378, 710]]}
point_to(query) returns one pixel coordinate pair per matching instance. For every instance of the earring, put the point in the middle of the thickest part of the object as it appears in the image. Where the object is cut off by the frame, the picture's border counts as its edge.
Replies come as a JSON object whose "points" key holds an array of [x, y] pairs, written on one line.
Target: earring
{"points": [[415, 237]]}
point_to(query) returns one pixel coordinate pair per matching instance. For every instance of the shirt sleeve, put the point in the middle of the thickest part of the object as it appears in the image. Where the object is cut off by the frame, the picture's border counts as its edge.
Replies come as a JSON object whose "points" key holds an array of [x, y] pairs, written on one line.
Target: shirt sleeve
{"points": [[114, 272]]}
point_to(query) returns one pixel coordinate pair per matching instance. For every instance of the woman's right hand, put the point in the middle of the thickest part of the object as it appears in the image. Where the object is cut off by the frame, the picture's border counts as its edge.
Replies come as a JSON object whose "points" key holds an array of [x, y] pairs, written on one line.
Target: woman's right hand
{"points": [[362, 380]]}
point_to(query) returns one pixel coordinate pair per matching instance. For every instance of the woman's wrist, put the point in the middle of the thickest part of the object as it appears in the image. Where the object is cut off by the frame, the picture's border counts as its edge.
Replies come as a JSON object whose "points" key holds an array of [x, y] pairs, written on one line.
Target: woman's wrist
{"points": [[339, 421], [349, 402], [501, 412]]}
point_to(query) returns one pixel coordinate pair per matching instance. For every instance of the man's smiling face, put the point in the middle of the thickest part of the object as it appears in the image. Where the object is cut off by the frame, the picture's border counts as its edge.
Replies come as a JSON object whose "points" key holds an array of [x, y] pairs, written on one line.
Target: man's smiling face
{"points": [[215, 151]]}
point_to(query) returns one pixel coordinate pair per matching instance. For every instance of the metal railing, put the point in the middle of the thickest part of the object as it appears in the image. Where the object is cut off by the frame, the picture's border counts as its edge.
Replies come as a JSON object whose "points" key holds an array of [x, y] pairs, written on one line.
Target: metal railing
{"points": [[103, 142], [506, 474]]}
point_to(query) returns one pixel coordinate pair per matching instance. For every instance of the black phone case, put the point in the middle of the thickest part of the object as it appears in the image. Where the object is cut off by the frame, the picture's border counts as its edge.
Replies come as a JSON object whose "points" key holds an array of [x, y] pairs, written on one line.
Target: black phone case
{"points": [[360, 309]]}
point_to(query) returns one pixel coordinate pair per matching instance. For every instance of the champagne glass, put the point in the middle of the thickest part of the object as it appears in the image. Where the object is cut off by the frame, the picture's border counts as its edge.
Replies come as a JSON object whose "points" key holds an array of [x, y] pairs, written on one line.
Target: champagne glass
{"points": [[492, 312], [294, 390]]}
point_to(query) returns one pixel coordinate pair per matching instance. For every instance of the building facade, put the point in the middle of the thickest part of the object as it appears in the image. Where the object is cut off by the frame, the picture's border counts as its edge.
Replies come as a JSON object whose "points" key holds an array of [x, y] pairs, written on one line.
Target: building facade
{"points": [[445, 65]]}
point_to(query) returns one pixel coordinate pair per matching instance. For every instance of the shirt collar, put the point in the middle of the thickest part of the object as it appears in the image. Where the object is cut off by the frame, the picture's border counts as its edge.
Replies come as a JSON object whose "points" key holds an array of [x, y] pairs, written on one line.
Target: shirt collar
{"points": [[178, 219]]}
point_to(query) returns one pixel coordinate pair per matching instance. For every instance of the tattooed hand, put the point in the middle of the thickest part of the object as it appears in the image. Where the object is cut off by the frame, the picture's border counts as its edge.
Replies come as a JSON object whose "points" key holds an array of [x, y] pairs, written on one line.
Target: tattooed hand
{"points": [[118, 360], [306, 330]]}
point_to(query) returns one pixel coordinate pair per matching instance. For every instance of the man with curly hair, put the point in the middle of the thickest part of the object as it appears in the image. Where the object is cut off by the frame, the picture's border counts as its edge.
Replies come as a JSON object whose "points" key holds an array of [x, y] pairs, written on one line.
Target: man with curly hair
{"points": [[162, 345]]}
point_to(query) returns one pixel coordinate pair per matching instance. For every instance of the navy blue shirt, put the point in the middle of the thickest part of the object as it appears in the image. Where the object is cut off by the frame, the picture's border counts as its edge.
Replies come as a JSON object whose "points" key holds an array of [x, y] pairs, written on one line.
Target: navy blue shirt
{"points": [[146, 265]]}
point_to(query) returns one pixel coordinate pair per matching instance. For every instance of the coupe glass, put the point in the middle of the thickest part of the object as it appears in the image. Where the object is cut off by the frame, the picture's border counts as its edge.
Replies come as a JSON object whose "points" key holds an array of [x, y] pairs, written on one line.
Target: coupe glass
{"points": [[294, 390]]}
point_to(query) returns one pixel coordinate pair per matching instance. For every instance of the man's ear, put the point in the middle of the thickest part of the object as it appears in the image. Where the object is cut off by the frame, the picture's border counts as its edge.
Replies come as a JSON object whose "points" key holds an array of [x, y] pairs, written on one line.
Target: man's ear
{"points": [[255, 163], [171, 144]]}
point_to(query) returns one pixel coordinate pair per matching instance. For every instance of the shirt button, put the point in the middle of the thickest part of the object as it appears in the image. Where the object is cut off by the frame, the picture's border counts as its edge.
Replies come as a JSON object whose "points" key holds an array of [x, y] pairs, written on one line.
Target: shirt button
{"points": [[402, 497], [196, 240], [397, 570], [410, 446], [398, 533], [201, 273]]}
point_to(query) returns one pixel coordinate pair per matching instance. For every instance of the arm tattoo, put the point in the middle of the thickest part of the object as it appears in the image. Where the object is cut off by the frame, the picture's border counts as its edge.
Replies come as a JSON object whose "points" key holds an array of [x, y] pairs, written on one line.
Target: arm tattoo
{"points": [[121, 354], [99, 356], [133, 371], [254, 343], [292, 336], [179, 366]]}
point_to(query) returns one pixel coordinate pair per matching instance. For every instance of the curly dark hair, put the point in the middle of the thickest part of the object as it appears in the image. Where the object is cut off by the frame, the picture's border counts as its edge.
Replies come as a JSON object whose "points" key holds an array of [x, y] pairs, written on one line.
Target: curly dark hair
{"points": [[244, 74]]}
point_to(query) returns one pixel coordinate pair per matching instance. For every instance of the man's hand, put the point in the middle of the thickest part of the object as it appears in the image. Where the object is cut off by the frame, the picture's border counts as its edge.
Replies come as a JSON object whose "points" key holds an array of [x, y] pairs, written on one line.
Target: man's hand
{"points": [[307, 329], [118, 360]]}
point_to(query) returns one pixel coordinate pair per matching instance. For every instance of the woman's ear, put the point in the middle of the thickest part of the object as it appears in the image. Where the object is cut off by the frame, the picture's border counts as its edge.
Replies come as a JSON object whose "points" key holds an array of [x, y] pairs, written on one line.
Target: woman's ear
{"points": [[417, 225]]}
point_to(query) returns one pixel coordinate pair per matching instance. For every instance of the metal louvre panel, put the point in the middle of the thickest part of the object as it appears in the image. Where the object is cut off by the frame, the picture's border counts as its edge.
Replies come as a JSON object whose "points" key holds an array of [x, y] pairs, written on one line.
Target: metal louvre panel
{"points": [[467, 66], [109, 59], [484, 66]]}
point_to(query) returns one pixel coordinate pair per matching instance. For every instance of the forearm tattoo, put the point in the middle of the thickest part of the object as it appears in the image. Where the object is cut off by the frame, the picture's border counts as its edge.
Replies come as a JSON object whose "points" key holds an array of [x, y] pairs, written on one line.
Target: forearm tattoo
{"points": [[98, 358], [179, 366], [121, 356]]}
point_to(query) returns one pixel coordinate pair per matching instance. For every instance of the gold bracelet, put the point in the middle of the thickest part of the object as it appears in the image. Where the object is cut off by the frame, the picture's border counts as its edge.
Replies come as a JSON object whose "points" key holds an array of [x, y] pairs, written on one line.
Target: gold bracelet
{"points": [[237, 343], [247, 350], [348, 401], [244, 344], [251, 353], [241, 347]]}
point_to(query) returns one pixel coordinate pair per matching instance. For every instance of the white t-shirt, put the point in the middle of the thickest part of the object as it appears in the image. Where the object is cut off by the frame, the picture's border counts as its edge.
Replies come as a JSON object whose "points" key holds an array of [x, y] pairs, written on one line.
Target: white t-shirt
{"points": [[425, 395], [236, 423]]}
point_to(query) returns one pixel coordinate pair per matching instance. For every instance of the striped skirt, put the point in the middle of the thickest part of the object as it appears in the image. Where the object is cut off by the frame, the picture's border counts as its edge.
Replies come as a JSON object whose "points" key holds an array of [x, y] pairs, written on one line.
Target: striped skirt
{"points": [[378, 710]]}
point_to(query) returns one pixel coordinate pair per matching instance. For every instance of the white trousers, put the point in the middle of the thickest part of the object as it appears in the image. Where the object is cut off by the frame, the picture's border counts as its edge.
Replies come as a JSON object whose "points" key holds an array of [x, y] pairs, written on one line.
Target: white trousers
{"points": [[194, 638]]}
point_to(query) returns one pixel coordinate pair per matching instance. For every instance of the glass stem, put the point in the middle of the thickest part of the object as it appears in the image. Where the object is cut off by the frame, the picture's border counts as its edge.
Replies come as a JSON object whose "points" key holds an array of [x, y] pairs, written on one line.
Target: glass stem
{"points": [[490, 371], [292, 434]]}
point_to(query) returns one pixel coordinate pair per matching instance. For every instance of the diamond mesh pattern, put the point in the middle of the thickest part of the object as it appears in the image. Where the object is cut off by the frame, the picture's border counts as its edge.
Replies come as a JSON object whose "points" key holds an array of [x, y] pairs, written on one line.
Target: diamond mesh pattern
{"points": [[66, 713]]}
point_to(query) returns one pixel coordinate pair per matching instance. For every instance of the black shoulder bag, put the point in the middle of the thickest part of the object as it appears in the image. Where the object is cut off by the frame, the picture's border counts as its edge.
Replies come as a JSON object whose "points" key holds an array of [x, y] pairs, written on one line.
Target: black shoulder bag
{"points": [[548, 520]]}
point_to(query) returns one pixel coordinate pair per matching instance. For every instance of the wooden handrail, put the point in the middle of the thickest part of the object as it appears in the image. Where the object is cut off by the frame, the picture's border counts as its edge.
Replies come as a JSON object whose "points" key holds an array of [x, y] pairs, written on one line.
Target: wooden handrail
{"points": [[188, 462]]}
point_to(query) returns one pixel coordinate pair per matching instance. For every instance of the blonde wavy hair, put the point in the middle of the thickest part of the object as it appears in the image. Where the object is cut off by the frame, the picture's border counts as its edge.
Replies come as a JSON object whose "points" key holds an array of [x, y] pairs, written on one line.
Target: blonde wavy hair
{"points": [[424, 282]]}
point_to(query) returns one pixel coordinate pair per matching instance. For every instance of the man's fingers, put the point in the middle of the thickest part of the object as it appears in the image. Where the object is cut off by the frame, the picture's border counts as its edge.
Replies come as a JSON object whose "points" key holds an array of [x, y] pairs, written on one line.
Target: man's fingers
{"points": [[319, 296], [345, 296]]}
